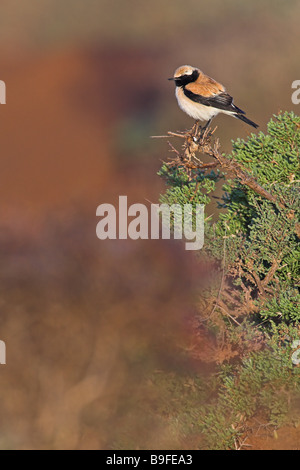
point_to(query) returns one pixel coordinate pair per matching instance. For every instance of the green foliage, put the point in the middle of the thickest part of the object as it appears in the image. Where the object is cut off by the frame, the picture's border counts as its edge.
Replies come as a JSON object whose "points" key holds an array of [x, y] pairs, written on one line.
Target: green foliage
{"points": [[273, 157], [187, 189], [284, 308]]}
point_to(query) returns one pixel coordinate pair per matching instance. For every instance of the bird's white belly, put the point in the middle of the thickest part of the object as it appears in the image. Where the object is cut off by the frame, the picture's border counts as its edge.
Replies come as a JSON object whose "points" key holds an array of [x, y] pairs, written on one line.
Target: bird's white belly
{"points": [[195, 110]]}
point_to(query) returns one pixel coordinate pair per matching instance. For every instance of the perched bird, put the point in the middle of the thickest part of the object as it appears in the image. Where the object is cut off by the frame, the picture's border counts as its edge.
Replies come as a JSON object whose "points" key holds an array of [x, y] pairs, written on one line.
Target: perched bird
{"points": [[202, 98]]}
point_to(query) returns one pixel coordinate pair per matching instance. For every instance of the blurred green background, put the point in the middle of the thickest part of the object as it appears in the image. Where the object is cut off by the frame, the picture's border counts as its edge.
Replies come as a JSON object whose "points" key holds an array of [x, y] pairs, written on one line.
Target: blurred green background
{"points": [[86, 322]]}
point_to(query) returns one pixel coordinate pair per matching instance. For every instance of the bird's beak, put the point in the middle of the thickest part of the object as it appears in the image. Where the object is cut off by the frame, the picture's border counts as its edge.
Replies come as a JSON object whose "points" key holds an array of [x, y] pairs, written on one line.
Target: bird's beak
{"points": [[172, 78]]}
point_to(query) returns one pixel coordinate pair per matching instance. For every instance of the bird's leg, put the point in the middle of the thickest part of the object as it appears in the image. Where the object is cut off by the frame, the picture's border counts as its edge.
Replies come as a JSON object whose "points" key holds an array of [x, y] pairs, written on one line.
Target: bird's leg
{"points": [[207, 125], [204, 130], [195, 128]]}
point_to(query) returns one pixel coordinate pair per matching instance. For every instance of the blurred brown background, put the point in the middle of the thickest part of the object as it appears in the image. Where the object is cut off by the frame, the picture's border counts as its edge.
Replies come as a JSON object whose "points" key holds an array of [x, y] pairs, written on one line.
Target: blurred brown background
{"points": [[87, 322]]}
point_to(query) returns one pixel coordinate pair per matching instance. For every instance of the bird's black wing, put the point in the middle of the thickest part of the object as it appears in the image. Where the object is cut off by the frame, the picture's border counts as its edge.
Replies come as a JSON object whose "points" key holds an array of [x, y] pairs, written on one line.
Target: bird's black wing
{"points": [[221, 101]]}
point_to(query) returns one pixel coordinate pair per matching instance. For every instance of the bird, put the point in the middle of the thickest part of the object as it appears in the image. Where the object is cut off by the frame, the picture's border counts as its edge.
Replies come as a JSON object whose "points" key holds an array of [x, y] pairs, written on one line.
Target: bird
{"points": [[202, 97]]}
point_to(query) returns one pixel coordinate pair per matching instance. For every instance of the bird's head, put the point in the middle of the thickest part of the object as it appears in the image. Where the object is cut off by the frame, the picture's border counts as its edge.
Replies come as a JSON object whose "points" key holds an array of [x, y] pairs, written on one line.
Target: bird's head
{"points": [[185, 74]]}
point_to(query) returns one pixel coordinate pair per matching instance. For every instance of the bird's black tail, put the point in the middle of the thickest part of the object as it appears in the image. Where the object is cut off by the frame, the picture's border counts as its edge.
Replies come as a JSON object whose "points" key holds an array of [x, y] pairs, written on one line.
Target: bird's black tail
{"points": [[246, 120]]}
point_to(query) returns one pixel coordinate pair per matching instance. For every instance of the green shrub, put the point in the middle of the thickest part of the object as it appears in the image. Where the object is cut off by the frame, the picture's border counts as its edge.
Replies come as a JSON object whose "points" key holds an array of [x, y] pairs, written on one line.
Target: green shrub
{"points": [[255, 242]]}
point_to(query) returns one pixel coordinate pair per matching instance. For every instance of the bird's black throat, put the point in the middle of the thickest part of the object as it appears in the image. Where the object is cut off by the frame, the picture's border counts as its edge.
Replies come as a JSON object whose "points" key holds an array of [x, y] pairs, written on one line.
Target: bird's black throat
{"points": [[185, 79]]}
